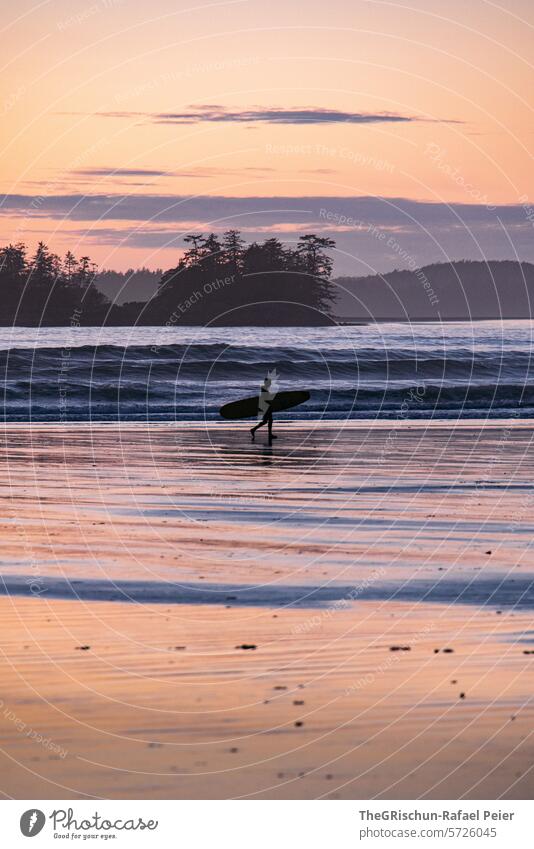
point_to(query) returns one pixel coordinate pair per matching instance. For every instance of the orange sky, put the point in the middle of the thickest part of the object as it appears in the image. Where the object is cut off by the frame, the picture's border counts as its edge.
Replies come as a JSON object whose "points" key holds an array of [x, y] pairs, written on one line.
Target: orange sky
{"points": [[425, 100]]}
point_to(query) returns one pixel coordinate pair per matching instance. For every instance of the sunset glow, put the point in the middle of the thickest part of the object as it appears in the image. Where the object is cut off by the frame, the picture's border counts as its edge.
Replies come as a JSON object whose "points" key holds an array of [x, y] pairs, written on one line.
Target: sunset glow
{"points": [[423, 101]]}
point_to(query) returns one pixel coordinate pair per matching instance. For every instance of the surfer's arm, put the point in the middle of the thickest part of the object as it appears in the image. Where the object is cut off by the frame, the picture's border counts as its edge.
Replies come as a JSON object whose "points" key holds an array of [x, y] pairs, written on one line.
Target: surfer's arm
{"points": [[265, 399]]}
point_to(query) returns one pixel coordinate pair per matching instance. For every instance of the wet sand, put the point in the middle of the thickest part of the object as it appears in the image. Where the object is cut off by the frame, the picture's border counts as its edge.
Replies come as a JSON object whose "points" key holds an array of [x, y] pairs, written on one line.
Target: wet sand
{"points": [[188, 615]]}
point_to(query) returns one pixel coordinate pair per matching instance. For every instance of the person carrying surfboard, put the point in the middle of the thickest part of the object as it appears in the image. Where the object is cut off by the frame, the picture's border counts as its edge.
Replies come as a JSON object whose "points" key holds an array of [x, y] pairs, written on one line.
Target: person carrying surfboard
{"points": [[265, 406], [262, 407]]}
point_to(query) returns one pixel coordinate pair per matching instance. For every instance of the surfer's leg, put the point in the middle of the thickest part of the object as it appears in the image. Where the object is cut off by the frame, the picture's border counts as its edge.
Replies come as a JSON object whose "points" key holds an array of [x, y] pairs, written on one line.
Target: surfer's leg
{"points": [[270, 427], [256, 427]]}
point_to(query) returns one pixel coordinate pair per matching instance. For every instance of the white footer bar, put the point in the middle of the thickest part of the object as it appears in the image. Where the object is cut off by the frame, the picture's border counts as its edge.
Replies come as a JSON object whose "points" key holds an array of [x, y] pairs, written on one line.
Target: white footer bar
{"points": [[268, 824]]}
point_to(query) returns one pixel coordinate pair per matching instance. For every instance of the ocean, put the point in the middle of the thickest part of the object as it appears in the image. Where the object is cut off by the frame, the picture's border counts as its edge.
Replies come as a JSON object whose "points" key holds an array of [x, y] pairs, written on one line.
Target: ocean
{"points": [[392, 371]]}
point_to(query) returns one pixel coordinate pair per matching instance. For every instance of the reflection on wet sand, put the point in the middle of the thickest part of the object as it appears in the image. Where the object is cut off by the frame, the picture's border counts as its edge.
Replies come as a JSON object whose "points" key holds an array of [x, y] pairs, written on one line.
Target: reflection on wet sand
{"points": [[346, 614]]}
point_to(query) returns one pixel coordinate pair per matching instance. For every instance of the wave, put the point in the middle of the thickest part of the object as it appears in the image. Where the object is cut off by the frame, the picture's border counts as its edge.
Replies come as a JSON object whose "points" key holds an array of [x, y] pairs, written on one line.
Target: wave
{"points": [[191, 381]]}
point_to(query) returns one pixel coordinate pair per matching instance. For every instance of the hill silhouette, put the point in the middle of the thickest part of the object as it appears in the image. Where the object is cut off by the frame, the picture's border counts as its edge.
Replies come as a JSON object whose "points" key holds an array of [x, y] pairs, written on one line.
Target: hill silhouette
{"points": [[223, 282], [460, 290], [135, 284]]}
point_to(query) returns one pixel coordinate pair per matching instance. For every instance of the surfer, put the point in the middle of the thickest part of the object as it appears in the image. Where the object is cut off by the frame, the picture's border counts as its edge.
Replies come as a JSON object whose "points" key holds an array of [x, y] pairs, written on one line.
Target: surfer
{"points": [[265, 407], [262, 407]]}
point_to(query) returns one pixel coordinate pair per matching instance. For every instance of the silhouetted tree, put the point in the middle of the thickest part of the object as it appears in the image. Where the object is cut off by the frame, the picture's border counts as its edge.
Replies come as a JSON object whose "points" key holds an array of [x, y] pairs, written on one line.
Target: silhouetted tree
{"points": [[233, 249], [45, 267], [221, 281], [13, 263], [263, 283], [47, 291], [312, 254], [69, 265], [194, 255], [13, 274]]}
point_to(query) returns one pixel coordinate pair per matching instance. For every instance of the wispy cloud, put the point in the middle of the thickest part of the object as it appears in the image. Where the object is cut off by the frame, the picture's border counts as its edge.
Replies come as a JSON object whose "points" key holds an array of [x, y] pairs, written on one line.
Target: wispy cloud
{"points": [[118, 172], [215, 113], [200, 172], [370, 232], [211, 209]]}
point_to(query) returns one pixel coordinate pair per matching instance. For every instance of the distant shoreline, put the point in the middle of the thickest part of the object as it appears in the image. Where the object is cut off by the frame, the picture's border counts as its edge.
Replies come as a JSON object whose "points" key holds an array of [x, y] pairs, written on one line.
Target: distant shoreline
{"points": [[446, 320], [335, 322]]}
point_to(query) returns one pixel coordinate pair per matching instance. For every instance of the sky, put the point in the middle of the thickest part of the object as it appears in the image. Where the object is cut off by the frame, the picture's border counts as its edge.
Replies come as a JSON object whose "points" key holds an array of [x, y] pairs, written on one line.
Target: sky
{"points": [[403, 130]]}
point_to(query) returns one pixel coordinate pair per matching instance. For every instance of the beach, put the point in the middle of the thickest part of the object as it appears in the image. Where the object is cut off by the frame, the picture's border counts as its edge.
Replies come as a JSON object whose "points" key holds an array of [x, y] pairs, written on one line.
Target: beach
{"points": [[346, 614]]}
